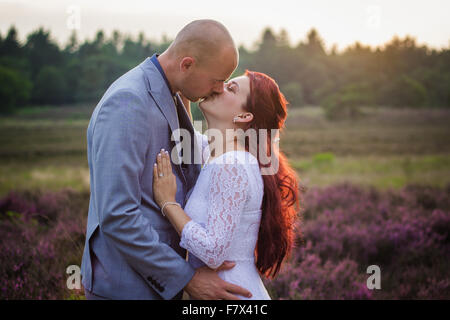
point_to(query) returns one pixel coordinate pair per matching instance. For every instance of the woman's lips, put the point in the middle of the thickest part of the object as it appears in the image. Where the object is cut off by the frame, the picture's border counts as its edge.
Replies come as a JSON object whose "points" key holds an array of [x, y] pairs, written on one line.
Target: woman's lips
{"points": [[212, 96], [208, 98]]}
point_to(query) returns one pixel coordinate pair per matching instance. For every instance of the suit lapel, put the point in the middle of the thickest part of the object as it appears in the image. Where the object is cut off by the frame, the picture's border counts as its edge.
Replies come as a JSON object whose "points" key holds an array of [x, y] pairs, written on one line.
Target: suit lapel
{"points": [[185, 122], [163, 98], [183, 115], [160, 93]]}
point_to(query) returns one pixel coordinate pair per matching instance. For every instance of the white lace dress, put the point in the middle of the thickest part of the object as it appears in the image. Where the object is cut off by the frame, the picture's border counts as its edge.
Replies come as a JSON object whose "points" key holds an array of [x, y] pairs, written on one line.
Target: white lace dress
{"points": [[225, 208]]}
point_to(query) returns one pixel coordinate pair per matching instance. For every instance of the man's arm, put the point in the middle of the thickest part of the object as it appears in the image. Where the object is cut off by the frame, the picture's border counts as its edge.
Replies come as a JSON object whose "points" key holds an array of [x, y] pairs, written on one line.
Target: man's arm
{"points": [[120, 142]]}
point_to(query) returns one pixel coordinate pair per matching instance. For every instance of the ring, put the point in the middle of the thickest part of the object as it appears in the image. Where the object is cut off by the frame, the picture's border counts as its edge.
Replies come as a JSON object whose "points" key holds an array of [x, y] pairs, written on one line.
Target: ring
{"points": [[161, 174]]}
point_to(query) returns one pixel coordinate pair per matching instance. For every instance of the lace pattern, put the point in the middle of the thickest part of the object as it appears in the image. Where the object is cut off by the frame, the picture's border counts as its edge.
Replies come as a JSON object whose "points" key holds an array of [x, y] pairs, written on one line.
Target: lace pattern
{"points": [[228, 192]]}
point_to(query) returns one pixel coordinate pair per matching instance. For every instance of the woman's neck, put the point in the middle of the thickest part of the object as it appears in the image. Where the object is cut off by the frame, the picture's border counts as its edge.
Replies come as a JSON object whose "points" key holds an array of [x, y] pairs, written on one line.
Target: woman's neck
{"points": [[222, 142]]}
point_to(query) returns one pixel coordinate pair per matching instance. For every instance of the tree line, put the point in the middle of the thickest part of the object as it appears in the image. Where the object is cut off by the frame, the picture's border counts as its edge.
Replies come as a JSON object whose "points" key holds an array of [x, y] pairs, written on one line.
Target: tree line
{"points": [[396, 74]]}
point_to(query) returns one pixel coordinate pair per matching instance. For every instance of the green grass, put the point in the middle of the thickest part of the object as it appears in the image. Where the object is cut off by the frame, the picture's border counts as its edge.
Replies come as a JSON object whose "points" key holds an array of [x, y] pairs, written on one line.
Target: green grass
{"points": [[380, 132], [383, 172], [387, 148], [21, 176], [45, 148]]}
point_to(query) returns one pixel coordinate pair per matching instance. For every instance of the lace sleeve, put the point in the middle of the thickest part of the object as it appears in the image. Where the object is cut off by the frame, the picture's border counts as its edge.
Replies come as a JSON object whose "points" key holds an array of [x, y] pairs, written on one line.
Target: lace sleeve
{"points": [[227, 197]]}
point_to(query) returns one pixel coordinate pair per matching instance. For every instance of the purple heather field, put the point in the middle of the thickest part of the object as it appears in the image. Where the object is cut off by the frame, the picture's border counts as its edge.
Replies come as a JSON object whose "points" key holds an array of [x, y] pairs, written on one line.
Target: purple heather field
{"points": [[343, 229]]}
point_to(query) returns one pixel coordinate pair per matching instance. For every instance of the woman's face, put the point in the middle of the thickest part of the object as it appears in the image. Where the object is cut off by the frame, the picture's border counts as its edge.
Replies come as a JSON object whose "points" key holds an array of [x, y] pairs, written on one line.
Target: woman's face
{"points": [[224, 107]]}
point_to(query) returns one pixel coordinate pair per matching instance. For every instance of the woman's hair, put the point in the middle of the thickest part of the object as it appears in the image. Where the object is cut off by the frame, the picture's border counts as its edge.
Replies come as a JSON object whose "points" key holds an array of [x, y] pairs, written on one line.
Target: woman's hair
{"points": [[280, 203]]}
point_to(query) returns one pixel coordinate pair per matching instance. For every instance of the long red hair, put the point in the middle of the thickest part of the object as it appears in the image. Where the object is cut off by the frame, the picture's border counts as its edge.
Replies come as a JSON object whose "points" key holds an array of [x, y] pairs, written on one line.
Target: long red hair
{"points": [[281, 194]]}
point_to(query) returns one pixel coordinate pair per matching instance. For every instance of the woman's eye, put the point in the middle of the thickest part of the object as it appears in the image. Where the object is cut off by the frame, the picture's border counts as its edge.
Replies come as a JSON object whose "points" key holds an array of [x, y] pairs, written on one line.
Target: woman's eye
{"points": [[231, 88]]}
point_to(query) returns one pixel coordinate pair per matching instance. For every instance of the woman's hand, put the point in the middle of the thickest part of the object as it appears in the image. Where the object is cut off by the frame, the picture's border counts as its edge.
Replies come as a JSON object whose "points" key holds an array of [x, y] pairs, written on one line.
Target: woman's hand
{"points": [[164, 181]]}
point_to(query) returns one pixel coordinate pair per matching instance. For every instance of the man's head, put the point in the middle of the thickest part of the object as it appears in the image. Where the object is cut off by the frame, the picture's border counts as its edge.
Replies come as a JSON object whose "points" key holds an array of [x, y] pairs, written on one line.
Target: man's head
{"points": [[203, 56]]}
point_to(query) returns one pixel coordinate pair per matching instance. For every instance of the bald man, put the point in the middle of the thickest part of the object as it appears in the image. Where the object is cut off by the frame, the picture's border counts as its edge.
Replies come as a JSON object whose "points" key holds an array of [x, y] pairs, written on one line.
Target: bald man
{"points": [[131, 250]]}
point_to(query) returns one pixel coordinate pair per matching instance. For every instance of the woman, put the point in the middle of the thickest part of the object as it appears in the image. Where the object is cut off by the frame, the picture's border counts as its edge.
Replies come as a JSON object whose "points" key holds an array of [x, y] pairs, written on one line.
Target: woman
{"points": [[235, 212]]}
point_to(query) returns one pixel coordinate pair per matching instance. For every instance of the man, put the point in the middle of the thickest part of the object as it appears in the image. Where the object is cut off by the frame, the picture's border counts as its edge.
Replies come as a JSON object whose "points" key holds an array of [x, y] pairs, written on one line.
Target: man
{"points": [[131, 250]]}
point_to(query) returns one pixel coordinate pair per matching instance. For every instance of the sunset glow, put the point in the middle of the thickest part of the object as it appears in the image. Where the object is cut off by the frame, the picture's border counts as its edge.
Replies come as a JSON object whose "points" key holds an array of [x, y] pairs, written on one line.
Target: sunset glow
{"points": [[338, 22]]}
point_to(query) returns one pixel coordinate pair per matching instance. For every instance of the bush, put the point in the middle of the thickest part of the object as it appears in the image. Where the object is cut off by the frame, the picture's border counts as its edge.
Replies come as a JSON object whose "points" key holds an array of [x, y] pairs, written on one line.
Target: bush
{"points": [[347, 101], [50, 86], [42, 234], [347, 228], [15, 89], [404, 92], [293, 93]]}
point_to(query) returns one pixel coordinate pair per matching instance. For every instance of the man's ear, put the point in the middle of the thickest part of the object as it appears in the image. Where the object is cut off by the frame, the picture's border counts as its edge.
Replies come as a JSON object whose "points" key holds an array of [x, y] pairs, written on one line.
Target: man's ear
{"points": [[186, 63]]}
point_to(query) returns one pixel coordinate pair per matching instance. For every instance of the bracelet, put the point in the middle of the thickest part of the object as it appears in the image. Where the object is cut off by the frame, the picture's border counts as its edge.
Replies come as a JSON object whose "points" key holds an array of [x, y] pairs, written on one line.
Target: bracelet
{"points": [[166, 203]]}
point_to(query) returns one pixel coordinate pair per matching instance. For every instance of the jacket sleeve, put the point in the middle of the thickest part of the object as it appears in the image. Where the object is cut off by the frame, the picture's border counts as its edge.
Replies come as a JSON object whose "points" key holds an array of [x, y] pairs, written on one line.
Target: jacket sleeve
{"points": [[120, 142]]}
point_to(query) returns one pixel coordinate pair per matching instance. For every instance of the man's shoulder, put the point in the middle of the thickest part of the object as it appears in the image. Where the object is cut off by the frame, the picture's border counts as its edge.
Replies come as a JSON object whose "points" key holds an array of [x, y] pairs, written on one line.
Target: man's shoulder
{"points": [[132, 82], [131, 86]]}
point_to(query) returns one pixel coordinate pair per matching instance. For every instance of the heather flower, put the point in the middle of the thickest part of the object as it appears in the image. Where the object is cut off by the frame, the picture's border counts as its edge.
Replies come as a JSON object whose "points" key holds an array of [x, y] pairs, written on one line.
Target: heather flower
{"points": [[348, 228], [345, 229]]}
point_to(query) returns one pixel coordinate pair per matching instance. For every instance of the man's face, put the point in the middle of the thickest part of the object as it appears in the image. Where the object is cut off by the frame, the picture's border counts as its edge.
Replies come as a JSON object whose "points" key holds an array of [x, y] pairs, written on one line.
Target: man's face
{"points": [[208, 79], [224, 107]]}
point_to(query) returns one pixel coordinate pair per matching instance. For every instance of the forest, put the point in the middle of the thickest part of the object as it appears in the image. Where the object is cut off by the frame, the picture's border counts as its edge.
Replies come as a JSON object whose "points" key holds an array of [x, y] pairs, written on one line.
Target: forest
{"points": [[399, 73]]}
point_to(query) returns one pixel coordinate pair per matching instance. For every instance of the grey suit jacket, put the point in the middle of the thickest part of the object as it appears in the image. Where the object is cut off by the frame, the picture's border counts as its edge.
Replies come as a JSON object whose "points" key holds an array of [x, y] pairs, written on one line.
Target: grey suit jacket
{"points": [[131, 251]]}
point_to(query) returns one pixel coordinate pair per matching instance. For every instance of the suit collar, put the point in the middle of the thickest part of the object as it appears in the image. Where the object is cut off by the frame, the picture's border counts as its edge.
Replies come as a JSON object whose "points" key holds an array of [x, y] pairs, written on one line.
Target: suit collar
{"points": [[160, 92], [183, 115], [155, 61]]}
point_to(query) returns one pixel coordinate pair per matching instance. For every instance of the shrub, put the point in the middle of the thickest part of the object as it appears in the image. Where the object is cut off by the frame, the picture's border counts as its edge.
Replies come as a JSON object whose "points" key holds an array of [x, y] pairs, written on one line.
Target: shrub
{"points": [[347, 101], [294, 93], [42, 234], [15, 89], [50, 86], [347, 228]]}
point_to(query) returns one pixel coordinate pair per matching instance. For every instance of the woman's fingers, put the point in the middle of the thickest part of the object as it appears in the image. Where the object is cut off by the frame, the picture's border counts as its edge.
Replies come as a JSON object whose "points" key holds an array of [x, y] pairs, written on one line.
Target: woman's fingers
{"points": [[159, 164], [164, 164], [169, 164], [155, 171]]}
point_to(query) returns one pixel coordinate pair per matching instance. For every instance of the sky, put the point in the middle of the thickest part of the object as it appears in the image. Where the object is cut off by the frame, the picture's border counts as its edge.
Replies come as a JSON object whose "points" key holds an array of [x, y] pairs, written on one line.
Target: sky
{"points": [[339, 22]]}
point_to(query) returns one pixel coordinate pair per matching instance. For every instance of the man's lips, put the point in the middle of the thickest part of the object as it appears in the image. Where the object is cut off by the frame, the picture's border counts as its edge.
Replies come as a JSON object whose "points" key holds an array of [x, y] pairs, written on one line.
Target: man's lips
{"points": [[209, 98]]}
